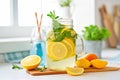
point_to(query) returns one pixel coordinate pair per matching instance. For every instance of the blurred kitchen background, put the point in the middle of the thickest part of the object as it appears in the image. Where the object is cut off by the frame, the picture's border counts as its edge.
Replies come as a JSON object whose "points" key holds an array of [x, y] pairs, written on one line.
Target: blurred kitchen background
{"points": [[17, 21]]}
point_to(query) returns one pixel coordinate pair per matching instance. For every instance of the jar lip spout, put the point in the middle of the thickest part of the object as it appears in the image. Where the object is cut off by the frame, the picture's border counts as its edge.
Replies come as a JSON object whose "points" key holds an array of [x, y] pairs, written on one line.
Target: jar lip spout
{"points": [[66, 21]]}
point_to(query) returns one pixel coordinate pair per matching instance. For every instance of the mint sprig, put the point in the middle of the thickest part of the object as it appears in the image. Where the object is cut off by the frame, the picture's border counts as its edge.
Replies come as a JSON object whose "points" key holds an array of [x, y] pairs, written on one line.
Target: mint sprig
{"points": [[14, 66], [41, 69], [58, 27], [52, 15]]}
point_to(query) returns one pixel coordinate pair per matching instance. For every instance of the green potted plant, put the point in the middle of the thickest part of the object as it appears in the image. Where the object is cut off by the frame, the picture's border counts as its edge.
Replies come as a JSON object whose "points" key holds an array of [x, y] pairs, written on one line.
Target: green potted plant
{"points": [[65, 7], [65, 3], [93, 36]]}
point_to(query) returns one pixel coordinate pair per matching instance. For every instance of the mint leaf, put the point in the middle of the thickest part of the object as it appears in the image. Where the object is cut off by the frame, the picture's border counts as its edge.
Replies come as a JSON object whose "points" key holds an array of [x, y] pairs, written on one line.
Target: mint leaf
{"points": [[14, 66], [52, 15], [41, 69]]}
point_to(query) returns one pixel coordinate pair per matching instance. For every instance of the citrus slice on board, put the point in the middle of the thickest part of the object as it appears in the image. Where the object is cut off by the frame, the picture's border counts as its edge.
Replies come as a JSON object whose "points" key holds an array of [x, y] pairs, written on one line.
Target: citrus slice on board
{"points": [[58, 50], [74, 71], [31, 62]]}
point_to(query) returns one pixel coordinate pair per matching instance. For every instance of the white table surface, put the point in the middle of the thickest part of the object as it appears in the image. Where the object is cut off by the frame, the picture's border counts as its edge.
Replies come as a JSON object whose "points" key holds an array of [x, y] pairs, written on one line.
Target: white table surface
{"points": [[6, 73]]}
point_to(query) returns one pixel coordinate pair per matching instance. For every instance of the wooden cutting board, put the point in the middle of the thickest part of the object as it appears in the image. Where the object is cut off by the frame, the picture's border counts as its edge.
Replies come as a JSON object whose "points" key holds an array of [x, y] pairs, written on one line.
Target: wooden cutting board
{"points": [[108, 23], [50, 72], [116, 23]]}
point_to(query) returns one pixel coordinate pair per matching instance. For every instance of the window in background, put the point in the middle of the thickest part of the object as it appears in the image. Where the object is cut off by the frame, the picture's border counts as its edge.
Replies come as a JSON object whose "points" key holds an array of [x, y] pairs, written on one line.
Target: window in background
{"points": [[21, 12], [26, 11], [4, 12], [18, 16], [17, 13]]}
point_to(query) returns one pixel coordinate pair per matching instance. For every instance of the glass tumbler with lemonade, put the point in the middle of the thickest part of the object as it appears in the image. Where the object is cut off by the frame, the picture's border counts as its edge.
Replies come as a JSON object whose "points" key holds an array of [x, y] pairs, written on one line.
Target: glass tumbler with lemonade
{"points": [[61, 43]]}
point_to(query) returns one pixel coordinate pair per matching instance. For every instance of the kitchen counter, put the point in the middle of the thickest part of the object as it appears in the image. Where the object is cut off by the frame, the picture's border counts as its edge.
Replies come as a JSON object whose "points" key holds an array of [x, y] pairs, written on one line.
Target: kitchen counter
{"points": [[7, 73]]}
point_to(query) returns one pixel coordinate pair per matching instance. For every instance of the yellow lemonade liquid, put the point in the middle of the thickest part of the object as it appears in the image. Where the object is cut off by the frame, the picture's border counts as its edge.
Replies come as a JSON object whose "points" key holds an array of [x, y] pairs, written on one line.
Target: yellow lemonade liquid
{"points": [[61, 50]]}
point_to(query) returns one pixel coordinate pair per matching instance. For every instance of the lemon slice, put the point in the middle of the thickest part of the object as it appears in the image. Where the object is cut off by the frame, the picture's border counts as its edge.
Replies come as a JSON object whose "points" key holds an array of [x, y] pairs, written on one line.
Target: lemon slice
{"points": [[50, 36], [65, 29], [58, 50], [31, 62], [49, 43], [69, 29], [74, 71], [70, 41], [70, 46]]}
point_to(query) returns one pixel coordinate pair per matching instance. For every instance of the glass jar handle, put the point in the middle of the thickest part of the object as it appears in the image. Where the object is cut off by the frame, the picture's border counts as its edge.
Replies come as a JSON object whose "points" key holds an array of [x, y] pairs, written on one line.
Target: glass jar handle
{"points": [[83, 47]]}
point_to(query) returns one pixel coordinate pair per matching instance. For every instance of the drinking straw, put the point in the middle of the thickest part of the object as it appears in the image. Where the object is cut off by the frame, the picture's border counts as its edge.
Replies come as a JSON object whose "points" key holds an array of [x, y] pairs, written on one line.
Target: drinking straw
{"points": [[33, 31], [36, 19], [39, 23]]}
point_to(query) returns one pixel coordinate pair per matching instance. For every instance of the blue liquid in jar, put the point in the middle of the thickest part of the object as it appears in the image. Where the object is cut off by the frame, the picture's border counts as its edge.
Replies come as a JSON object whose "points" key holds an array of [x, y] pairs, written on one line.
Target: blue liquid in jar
{"points": [[39, 48]]}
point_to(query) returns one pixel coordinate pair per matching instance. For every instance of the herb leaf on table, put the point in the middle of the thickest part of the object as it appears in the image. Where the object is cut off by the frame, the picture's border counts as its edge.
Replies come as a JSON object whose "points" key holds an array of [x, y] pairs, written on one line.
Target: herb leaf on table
{"points": [[14, 66]]}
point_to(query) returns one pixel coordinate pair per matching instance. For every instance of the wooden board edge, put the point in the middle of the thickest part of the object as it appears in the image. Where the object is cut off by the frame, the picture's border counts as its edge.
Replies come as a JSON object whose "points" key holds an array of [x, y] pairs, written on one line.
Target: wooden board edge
{"points": [[38, 73]]}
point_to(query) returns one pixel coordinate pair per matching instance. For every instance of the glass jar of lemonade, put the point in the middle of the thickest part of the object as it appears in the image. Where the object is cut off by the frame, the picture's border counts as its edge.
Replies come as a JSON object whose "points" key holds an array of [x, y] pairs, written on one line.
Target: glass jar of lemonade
{"points": [[60, 45]]}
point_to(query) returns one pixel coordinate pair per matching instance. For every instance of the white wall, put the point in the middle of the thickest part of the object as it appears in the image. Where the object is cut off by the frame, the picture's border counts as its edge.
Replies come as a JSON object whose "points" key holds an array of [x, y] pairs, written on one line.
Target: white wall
{"points": [[83, 14], [109, 4], [86, 12]]}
